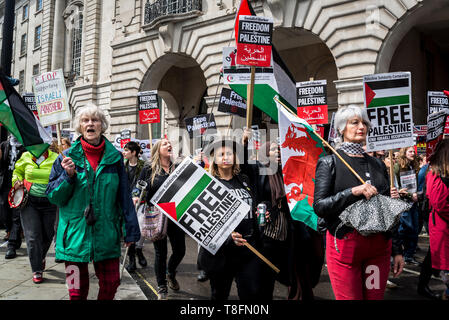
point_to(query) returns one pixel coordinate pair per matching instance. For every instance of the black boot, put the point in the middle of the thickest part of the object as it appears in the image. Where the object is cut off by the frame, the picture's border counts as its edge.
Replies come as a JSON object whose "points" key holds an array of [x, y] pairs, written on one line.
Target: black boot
{"points": [[141, 258], [131, 266], [11, 253], [428, 293]]}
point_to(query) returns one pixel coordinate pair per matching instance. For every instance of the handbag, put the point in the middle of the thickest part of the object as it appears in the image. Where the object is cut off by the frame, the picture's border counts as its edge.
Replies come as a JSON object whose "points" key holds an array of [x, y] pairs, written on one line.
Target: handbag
{"points": [[276, 228], [152, 222]]}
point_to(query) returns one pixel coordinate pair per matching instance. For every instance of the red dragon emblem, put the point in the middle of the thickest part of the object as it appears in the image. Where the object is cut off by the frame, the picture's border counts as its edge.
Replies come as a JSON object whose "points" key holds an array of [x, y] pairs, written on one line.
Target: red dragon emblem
{"points": [[300, 169]]}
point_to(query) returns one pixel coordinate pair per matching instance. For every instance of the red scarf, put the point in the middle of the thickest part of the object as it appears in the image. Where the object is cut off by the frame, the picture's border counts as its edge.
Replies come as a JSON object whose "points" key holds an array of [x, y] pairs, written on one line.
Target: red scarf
{"points": [[93, 153]]}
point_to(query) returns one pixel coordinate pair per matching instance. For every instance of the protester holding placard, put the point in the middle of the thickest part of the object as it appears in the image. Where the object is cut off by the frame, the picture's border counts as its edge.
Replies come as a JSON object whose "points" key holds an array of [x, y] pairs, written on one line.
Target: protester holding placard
{"points": [[38, 215], [437, 185], [233, 260], [155, 174], [405, 171], [91, 189], [133, 168], [352, 258]]}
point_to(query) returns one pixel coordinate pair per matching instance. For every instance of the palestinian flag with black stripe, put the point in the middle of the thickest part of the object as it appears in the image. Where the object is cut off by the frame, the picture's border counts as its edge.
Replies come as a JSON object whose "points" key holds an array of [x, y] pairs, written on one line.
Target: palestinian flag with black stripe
{"points": [[20, 121], [177, 198], [390, 92]]}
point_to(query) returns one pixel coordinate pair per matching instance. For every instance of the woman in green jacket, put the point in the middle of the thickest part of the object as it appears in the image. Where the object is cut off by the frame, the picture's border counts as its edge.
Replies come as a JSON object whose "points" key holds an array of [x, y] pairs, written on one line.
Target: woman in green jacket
{"points": [[38, 215], [91, 189]]}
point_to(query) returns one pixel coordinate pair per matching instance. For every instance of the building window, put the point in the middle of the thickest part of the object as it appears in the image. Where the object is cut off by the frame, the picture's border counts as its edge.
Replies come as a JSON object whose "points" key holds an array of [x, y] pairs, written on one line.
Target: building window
{"points": [[23, 44], [36, 69], [37, 37], [38, 5], [25, 12], [76, 46], [21, 81]]}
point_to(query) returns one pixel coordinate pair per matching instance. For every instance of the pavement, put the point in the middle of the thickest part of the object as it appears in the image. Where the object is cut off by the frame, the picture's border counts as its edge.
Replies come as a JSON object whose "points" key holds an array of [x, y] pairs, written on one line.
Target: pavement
{"points": [[16, 279], [16, 282]]}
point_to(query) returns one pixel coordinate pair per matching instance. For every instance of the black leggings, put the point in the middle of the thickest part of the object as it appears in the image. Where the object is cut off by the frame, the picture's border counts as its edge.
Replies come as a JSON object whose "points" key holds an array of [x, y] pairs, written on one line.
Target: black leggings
{"points": [[178, 245], [246, 270]]}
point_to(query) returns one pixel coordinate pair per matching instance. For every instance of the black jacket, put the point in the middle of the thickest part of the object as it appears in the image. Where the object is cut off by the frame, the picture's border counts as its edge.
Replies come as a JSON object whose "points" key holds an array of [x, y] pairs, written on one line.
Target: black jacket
{"points": [[329, 202]]}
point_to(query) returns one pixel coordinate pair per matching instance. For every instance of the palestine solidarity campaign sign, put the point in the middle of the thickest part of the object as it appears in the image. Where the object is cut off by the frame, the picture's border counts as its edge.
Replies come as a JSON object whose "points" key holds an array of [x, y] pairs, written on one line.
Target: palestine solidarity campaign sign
{"points": [[389, 107], [148, 107], [200, 205], [312, 101], [435, 131]]}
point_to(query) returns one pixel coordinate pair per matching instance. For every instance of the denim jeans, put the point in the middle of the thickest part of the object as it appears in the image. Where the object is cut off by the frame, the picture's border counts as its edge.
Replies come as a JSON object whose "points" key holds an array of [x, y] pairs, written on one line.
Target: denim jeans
{"points": [[38, 221], [408, 231], [178, 245]]}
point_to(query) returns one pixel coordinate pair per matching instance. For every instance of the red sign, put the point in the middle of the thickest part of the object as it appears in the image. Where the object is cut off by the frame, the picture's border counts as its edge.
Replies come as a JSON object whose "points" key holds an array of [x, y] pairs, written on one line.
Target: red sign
{"points": [[320, 130], [123, 142], [149, 116], [436, 125], [313, 114], [254, 41]]}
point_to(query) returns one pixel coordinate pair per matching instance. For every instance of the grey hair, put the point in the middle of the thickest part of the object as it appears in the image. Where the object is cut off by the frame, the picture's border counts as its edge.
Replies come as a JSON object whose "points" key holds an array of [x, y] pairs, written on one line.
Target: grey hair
{"points": [[343, 115], [91, 110]]}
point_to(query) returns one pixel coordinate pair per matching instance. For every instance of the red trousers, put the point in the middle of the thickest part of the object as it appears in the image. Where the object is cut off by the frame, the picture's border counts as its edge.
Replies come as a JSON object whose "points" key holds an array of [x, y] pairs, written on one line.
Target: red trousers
{"points": [[360, 270], [107, 272]]}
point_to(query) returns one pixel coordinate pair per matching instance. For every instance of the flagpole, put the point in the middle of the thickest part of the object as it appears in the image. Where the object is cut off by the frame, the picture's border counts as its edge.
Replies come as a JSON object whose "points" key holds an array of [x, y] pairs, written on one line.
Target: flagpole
{"points": [[326, 143], [250, 99], [257, 253], [391, 169]]}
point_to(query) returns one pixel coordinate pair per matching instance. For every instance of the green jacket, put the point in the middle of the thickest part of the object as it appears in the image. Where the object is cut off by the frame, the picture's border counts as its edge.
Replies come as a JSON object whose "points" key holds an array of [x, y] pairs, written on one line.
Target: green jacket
{"points": [[111, 199]]}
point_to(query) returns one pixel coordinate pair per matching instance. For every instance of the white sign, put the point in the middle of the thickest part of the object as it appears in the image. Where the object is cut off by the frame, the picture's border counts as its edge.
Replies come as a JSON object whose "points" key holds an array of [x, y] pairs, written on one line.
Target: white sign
{"points": [[233, 74], [200, 205], [408, 180], [51, 98], [389, 107]]}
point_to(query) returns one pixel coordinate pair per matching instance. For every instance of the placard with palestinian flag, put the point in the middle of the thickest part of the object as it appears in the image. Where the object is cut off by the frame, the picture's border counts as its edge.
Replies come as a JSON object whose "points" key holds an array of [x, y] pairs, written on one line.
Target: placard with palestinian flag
{"points": [[20, 121], [389, 107], [200, 205], [300, 151]]}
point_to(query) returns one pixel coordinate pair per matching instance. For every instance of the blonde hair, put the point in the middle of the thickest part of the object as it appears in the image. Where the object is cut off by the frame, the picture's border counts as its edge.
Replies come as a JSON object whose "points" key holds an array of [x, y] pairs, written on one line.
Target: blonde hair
{"points": [[90, 110], [404, 162], [155, 161], [213, 168]]}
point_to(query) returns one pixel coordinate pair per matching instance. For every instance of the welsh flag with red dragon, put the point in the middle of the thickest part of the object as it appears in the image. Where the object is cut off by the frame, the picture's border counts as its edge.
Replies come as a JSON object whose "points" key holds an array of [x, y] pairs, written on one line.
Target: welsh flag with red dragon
{"points": [[300, 151]]}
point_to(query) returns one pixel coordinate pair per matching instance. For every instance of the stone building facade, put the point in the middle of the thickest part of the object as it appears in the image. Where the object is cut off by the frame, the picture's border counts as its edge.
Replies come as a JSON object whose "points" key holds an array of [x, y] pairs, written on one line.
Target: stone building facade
{"points": [[112, 49]]}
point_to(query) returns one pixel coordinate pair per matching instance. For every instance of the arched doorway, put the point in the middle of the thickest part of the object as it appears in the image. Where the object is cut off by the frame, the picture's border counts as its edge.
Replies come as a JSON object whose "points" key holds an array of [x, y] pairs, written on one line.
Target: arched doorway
{"points": [[181, 86], [420, 44]]}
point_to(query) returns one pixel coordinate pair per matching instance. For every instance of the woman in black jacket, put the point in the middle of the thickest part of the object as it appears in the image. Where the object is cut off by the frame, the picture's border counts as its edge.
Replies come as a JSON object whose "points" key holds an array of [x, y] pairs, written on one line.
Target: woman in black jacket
{"points": [[358, 265], [155, 175], [233, 260]]}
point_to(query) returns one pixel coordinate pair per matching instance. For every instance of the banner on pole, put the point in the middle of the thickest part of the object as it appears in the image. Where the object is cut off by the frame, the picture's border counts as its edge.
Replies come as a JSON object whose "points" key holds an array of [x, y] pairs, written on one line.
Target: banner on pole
{"points": [[200, 205], [254, 41], [437, 101], [231, 102], [199, 124], [148, 107], [389, 107], [435, 131], [51, 98], [30, 101], [311, 98], [125, 137]]}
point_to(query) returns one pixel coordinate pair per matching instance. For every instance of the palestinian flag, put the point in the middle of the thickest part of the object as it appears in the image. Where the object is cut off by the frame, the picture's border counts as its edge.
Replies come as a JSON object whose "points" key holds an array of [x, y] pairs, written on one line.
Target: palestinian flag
{"points": [[184, 190], [387, 92], [283, 84], [300, 151], [20, 121]]}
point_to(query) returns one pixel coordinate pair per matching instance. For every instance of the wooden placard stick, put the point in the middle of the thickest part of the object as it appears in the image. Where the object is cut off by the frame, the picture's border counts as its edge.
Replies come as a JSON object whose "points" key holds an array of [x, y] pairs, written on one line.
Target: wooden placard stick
{"points": [[391, 169], [327, 144], [257, 253], [58, 135], [250, 99], [150, 135]]}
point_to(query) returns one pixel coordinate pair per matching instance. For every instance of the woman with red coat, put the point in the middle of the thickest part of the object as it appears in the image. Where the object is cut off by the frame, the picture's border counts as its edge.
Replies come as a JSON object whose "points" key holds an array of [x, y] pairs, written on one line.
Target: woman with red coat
{"points": [[438, 193]]}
